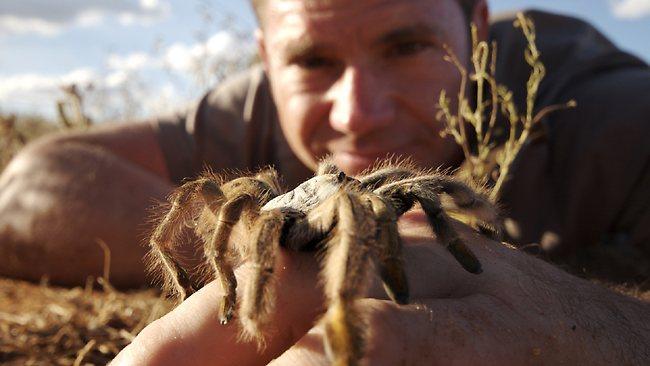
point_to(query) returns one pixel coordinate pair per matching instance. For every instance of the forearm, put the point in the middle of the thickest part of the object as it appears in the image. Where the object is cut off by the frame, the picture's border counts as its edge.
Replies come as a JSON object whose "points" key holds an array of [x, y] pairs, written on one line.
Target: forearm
{"points": [[626, 336], [607, 327], [562, 318], [56, 204]]}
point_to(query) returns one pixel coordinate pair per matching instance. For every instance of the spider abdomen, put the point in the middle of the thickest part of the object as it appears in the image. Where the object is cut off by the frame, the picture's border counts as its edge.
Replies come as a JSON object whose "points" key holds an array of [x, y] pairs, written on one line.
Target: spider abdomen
{"points": [[307, 195]]}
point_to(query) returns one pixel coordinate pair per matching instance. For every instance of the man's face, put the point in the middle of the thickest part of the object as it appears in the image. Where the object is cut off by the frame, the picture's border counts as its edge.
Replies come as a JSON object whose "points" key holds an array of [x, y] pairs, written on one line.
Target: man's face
{"points": [[360, 79]]}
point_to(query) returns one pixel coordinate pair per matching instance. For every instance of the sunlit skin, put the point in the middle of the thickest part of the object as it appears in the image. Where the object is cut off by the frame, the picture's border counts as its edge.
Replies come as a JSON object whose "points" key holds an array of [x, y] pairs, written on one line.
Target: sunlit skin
{"points": [[360, 79]]}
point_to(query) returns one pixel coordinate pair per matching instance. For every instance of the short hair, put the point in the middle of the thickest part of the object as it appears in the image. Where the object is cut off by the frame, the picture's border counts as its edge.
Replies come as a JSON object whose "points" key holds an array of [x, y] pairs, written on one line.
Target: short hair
{"points": [[467, 6]]}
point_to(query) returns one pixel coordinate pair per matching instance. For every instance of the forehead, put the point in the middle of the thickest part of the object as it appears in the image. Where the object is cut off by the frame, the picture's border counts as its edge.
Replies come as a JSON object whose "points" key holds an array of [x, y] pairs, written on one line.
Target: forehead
{"points": [[294, 19]]}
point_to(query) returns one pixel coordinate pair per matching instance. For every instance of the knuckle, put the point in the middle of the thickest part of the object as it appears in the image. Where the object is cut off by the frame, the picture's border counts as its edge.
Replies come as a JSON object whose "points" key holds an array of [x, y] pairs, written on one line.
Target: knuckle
{"points": [[382, 315]]}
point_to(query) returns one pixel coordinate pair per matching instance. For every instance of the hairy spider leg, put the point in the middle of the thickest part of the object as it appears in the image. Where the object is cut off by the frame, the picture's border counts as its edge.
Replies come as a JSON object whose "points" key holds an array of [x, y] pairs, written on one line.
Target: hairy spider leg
{"points": [[176, 281], [258, 297], [467, 200], [404, 194], [327, 166], [345, 267], [215, 248], [243, 194], [386, 175], [388, 250]]}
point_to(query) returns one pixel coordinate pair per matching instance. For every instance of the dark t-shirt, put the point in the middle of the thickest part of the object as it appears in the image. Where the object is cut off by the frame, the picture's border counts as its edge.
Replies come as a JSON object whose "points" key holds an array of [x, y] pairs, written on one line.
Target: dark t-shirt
{"points": [[580, 188]]}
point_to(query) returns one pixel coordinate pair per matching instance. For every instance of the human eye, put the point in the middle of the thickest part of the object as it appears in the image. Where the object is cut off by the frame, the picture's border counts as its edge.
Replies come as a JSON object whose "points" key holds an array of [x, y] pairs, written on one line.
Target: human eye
{"points": [[314, 62], [408, 48]]}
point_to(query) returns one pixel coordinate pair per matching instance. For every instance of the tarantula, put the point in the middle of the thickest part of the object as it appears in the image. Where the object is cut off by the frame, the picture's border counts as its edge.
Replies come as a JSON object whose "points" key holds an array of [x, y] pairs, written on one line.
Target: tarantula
{"points": [[353, 221]]}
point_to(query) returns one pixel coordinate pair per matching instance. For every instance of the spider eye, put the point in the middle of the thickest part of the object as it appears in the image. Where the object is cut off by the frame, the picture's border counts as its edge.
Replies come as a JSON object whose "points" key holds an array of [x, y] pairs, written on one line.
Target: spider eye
{"points": [[341, 177]]}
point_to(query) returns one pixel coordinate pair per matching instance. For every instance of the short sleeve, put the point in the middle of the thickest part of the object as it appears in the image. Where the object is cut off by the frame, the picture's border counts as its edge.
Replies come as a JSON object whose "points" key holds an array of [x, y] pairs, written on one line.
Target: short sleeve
{"points": [[229, 129], [177, 145]]}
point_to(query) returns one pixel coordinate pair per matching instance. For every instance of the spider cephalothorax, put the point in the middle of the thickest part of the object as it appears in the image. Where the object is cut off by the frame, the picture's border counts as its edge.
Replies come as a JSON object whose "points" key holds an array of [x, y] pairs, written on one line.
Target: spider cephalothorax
{"points": [[352, 220]]}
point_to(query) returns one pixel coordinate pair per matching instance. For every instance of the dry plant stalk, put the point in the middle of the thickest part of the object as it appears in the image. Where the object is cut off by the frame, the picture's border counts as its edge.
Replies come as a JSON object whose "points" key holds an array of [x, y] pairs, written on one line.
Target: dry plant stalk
{"points": [[71, 108], [11, 139], [478, 147]]}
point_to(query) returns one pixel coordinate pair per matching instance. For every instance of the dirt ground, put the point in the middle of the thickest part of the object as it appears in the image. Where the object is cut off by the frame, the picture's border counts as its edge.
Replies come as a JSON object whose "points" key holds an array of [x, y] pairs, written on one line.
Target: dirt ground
{"points": [[46, 325]]}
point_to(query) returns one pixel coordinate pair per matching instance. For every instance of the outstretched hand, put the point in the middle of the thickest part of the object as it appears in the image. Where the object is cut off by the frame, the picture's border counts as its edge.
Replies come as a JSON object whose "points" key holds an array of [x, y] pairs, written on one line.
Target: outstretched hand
{"points": [[520, 310]]}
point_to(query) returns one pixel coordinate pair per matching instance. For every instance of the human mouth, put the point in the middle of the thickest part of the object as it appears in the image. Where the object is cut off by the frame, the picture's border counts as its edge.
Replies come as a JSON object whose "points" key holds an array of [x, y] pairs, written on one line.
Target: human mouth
{"points": [[354, 161]]}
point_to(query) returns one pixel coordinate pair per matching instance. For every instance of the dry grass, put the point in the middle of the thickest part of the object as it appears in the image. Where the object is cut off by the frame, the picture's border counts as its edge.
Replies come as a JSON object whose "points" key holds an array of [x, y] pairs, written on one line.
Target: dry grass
{"points": [[44, 325]]}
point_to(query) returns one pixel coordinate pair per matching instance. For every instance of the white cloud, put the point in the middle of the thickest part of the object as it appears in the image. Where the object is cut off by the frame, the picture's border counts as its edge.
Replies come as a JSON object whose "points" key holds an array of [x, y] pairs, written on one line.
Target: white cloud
{"points": [[51, 17], [43, 84], [15, 25], [149, 4], [135, 84], [220, 44], [119, 94], [630, 9], [35, 93], [90, 18], [122, 67], [131, 62], [83, 77], [221, 48], [18, 84], [180, 57], [116, 79], [169, 100]]}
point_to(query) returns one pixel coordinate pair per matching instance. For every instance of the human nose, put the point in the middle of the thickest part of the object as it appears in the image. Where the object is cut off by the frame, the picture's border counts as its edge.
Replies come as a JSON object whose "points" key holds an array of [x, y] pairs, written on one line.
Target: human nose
{"points": [[361, 102]]}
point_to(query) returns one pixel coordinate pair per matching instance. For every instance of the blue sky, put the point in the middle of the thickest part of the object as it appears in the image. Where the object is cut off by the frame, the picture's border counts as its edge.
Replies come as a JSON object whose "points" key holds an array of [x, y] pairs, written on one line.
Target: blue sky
{"points": [[145, 57]]}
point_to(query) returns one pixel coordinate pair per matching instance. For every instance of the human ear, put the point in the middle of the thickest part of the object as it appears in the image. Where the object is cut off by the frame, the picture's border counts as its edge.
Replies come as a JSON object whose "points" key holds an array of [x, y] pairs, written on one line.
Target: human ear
{"points": [[261, 49]]}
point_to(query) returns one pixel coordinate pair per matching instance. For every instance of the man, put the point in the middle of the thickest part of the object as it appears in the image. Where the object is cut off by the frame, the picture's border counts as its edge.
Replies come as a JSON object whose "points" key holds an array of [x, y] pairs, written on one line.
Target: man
{"points": [[359, 80]]}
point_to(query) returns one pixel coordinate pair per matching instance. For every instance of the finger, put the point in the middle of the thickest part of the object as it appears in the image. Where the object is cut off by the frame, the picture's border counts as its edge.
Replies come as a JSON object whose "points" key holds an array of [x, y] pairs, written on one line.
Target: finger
{"points": [[192, 335], [308, 351]]}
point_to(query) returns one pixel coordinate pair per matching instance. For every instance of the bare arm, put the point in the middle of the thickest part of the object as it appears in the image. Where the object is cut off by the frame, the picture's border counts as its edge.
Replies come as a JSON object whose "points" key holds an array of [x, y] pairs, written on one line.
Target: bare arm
{"points": [[520, 310], [63, 193]]}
